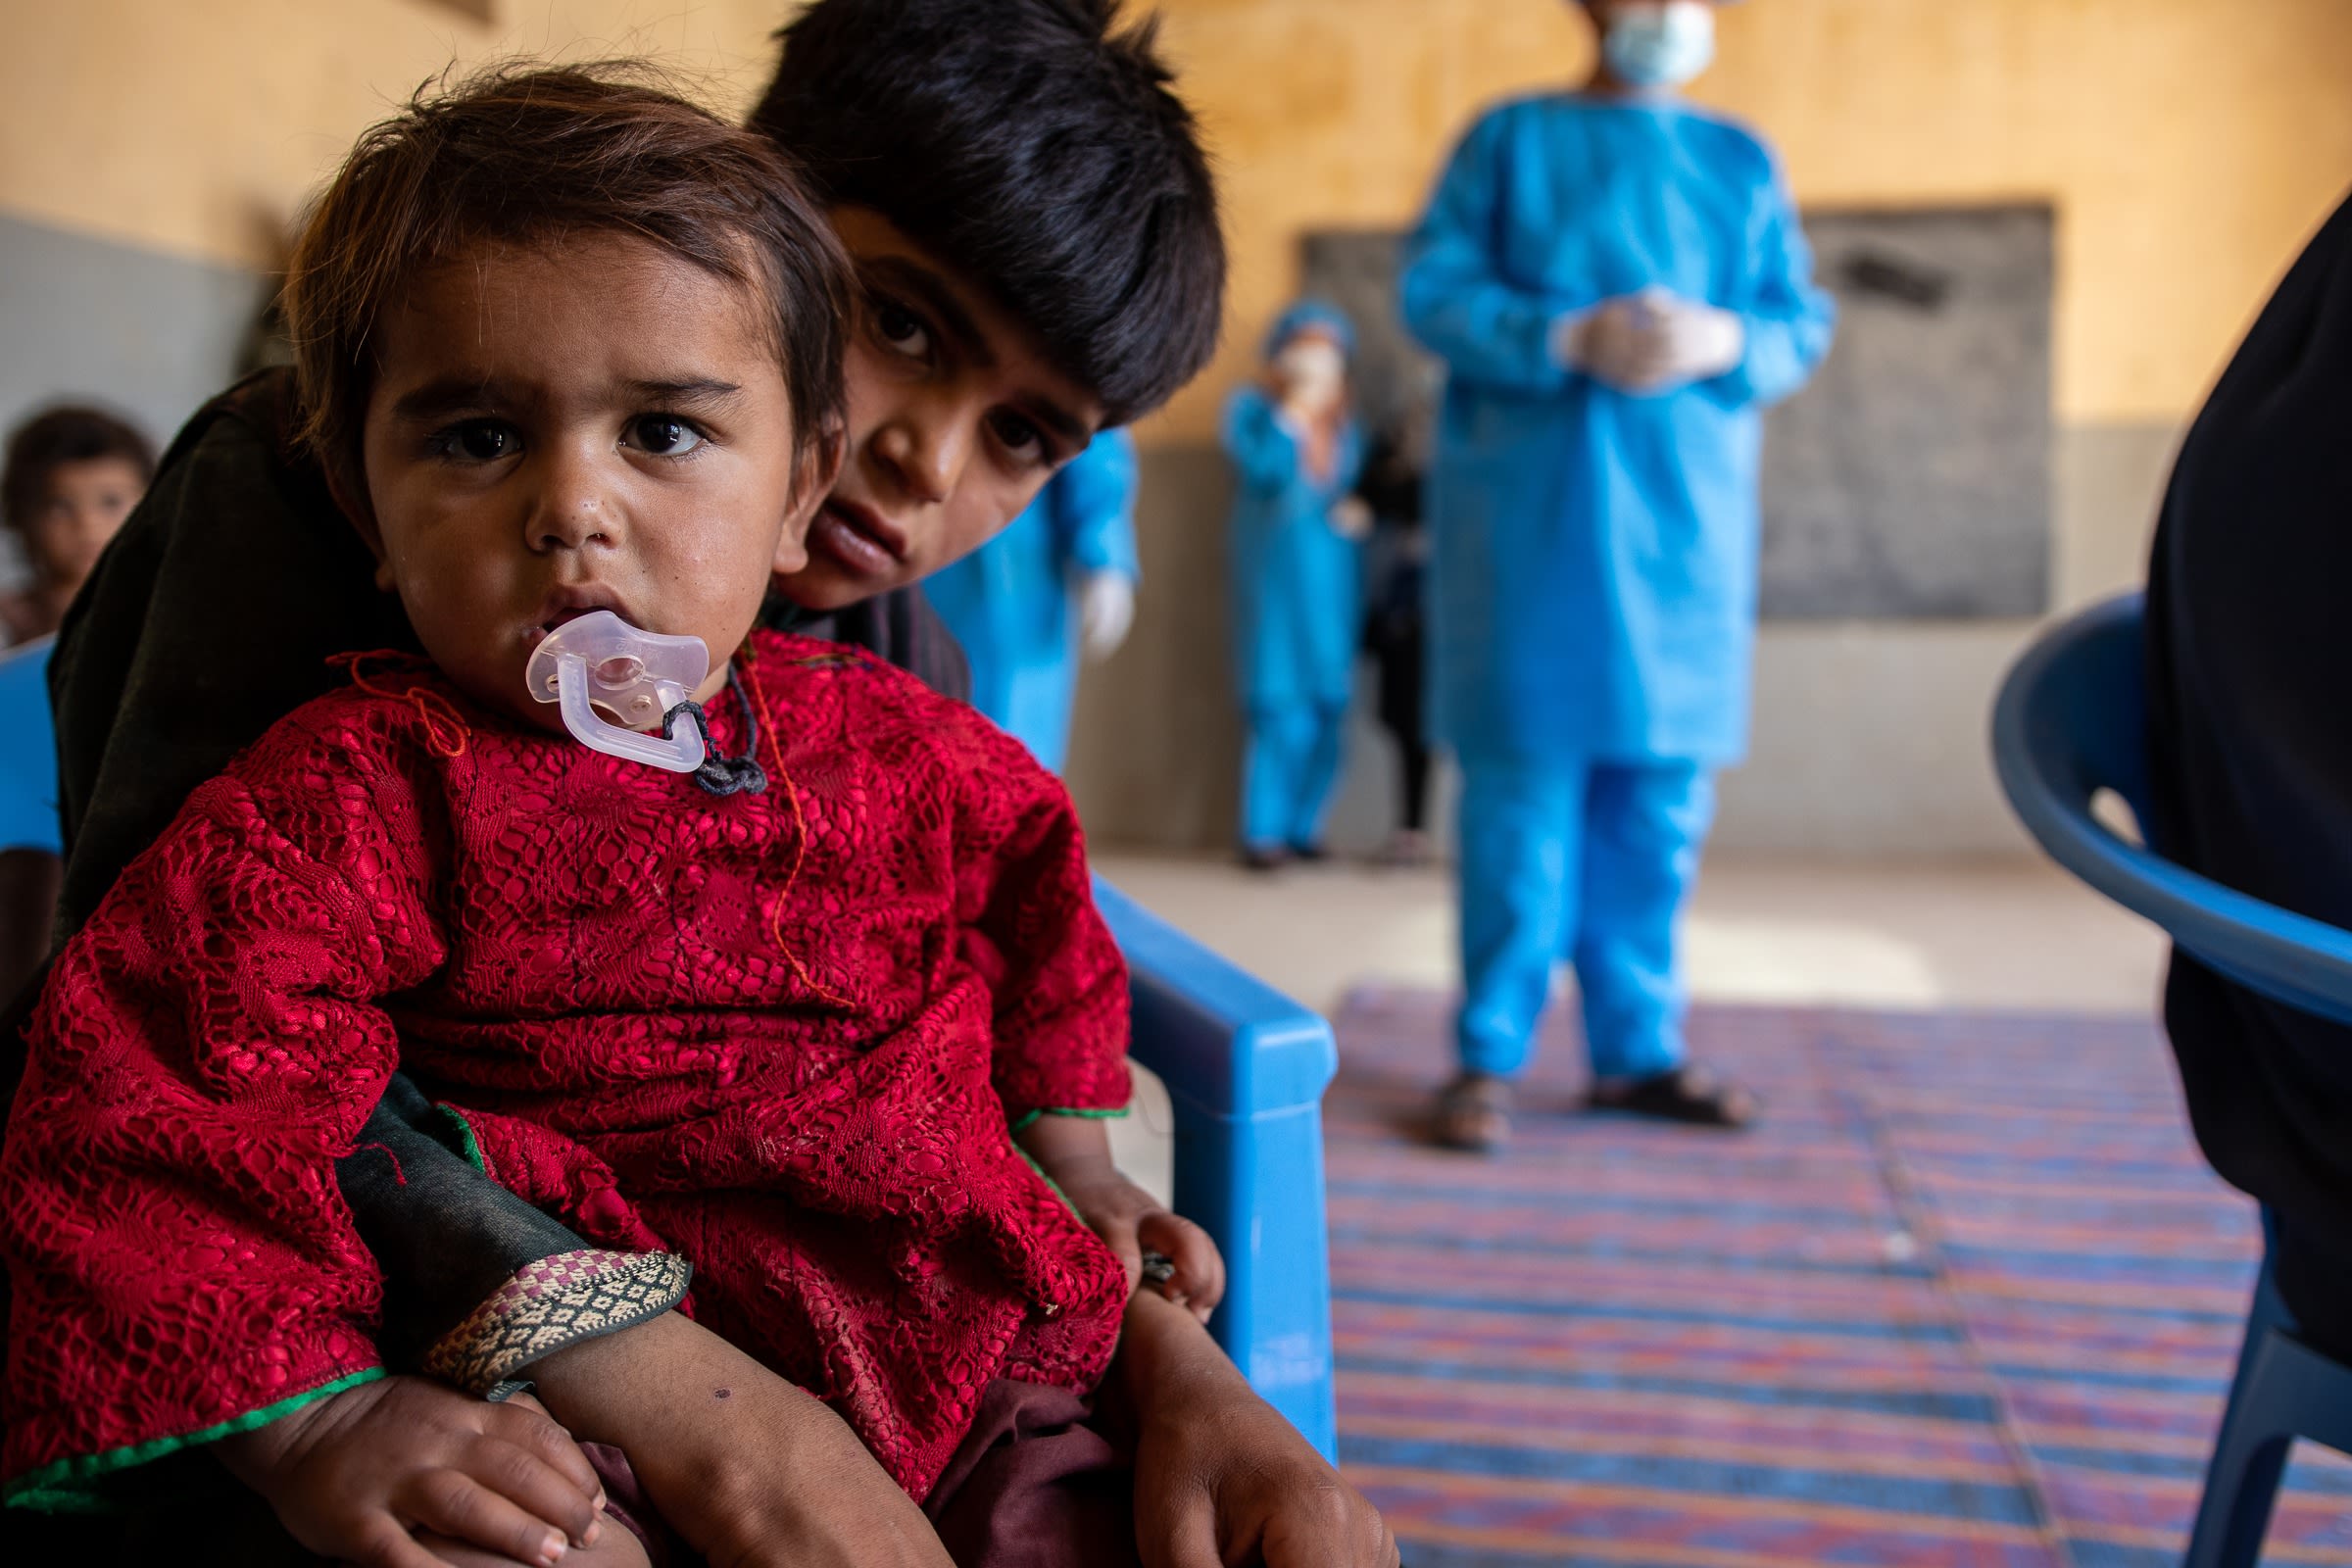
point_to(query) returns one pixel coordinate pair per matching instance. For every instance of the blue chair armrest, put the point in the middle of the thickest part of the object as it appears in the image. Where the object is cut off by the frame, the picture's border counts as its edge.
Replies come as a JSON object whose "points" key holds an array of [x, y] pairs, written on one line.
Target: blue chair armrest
{"points": [[1245, 1067], [2071, 721]]}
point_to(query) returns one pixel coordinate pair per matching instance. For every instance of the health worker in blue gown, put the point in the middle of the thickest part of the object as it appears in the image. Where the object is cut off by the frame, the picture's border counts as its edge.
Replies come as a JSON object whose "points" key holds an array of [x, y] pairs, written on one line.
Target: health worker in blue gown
{"points": [[1298, 592], [1618, 286], [1009, 603]]}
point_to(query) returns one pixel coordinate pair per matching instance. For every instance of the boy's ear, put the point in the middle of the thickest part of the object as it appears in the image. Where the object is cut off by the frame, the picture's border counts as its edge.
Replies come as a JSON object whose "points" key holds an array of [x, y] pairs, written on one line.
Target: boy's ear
{"points": [[819, 465]]}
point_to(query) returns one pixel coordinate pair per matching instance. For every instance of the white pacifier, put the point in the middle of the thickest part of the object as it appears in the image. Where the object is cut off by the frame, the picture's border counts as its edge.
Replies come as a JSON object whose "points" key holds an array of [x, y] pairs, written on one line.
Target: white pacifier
{"points": [[640, 677]]}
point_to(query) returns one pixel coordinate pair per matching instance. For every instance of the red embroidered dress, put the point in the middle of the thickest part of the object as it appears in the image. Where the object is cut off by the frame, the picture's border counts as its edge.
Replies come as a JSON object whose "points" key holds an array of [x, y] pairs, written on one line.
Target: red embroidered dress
{"points": [[783, 1034]]}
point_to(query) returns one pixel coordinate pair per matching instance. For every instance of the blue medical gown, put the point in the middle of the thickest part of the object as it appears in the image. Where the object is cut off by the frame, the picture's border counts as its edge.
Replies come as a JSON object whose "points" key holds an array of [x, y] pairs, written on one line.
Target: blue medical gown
{"points": [[1593, 577], [1008, 601], [1296, 584]]}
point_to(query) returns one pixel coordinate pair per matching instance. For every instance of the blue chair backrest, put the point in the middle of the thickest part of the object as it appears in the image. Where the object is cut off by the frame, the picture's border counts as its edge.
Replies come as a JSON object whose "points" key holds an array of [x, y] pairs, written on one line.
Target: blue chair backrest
{"points": [[2071, 721], [1245, 1067]]}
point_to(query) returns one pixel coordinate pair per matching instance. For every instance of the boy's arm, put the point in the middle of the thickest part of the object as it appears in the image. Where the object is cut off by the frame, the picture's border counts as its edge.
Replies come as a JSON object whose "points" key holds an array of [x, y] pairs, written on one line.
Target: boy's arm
{"points": [[1453, 296], [751, 1470], [1220, 1477]]}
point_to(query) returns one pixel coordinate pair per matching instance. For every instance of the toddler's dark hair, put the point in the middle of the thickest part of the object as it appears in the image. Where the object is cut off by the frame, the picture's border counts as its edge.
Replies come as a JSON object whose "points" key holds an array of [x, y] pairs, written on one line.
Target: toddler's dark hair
{"points": [[536, 156], [1028, 144], [55, 437]]}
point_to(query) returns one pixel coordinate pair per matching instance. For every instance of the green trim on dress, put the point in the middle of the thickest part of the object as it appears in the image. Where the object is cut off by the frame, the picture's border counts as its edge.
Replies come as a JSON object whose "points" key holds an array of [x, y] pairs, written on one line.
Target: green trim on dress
{"points": [[1023, 1125], [1048, 1179], [466, 1145], [70, 1486]]}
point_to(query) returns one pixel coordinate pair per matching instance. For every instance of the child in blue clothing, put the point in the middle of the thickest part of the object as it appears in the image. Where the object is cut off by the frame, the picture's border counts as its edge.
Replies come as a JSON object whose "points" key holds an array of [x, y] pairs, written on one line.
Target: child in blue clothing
{"points": [[72, 476], [1297, 564]]}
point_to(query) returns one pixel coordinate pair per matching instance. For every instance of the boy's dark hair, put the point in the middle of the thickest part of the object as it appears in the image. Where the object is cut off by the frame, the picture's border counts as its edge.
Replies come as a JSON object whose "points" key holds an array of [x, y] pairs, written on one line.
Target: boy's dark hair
{"points": [[529, 156], [55, 437], [1027, 144]]}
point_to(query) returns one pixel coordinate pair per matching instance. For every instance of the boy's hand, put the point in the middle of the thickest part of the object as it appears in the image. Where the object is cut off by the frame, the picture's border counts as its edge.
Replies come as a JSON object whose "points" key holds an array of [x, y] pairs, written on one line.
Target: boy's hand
{"points": [[753, 1471], [351, 1475], [1220, 1477], [1075, 1153]]}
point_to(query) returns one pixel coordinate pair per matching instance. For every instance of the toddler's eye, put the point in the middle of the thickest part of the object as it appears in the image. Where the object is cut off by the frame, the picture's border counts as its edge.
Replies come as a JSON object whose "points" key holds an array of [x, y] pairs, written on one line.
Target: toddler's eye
{"points": [[479, 441], [663, 435], [902, 328]]}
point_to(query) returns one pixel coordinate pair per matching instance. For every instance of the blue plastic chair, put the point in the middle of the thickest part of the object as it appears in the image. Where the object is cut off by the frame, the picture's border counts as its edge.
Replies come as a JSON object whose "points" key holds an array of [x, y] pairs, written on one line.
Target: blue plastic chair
{"points": [[2071, 721], [1247, 1068]]}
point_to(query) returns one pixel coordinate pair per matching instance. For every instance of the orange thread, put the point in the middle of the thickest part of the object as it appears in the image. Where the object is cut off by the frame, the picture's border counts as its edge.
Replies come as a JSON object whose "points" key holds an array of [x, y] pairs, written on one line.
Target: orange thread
{"points": [[445, 731], [800, 835]]}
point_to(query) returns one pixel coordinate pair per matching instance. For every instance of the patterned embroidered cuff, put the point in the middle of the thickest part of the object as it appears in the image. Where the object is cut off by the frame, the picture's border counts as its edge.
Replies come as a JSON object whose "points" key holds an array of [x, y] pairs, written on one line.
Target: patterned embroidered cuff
{"points": [[556, 1302]]}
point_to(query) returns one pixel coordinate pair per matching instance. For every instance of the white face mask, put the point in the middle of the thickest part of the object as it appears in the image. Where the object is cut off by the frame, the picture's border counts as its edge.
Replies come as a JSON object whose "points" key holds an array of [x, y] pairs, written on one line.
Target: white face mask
{"points": [[1313, 370], [1661, 45]]}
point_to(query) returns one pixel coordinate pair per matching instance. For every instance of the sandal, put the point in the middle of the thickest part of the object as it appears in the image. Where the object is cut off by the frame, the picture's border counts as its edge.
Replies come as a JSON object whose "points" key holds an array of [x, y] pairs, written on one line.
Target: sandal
{"points": [[1474, 1114], [1689, 1094]]}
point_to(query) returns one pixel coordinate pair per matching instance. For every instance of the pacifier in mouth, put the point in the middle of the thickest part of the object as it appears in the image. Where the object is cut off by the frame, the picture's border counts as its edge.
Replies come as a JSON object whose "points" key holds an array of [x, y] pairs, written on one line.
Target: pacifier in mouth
{"points": [[599, 661]]}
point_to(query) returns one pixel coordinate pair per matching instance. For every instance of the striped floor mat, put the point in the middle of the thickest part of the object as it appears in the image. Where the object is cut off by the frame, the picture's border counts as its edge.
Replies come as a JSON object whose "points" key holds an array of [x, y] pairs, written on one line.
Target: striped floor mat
{"points": [[1968, 1297]]}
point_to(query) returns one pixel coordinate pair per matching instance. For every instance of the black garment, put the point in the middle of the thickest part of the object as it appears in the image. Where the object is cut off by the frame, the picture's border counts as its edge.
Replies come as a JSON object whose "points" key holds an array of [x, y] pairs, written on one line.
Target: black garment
{"points": [[212, 617], [2250, 716], [1413, 767], [1394, 623]]}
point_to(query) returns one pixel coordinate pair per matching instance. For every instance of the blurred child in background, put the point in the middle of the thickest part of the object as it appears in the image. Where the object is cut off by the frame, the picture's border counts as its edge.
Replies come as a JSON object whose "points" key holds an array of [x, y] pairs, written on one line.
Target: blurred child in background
{"points": [[1297, 578], [73, 474]]}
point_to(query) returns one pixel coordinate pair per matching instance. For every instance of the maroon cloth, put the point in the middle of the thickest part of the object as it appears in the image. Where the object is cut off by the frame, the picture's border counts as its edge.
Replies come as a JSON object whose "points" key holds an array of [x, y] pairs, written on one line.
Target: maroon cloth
{"points": [[1033, 1486]]}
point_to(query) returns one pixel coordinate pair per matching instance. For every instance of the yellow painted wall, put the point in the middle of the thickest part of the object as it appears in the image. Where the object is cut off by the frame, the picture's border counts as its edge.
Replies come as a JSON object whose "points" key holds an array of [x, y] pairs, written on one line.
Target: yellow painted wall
{"points": [[2189, 145], [198, 126]]}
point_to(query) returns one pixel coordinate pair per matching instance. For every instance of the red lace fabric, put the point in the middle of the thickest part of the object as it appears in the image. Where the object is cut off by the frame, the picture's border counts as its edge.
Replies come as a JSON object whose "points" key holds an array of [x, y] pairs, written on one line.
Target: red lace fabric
{"points": [[780, 1035]]}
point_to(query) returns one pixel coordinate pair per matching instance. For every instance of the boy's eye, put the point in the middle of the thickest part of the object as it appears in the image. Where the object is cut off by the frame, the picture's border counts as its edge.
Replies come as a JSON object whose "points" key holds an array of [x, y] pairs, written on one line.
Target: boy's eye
{"points": [[479, 441], [902, 328], [1020, 437], [663, 435]]}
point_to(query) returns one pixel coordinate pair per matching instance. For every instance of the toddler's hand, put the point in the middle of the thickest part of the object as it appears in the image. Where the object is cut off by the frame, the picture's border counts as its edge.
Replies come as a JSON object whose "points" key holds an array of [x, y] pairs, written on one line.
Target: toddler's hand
{"points": [[351, 1475], [1075, 1153], [1134, 1222]]}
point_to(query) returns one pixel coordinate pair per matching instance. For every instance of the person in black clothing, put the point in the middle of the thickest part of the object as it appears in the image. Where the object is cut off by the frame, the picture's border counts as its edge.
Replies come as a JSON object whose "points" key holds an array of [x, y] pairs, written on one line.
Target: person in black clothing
{"points": [[1393, 629], [2250, 718]]}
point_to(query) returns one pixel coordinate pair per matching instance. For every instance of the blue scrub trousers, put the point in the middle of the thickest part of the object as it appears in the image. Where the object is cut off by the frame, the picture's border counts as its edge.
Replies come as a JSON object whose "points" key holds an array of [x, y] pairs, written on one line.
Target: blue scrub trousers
{"points": [[1590, 863], [1289, 763]]}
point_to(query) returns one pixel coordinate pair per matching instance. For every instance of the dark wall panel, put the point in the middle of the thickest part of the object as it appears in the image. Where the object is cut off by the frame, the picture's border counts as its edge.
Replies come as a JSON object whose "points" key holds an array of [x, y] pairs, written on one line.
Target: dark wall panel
{"points": [[1912, 478]]}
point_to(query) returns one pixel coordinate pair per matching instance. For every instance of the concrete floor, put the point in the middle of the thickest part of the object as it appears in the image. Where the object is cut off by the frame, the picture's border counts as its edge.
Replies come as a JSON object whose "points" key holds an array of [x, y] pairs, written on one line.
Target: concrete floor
{"points": [[2016, 934], [1999, 934]]}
